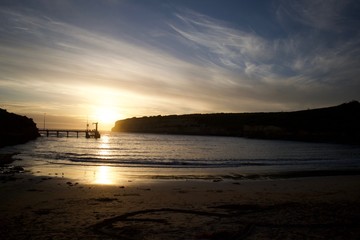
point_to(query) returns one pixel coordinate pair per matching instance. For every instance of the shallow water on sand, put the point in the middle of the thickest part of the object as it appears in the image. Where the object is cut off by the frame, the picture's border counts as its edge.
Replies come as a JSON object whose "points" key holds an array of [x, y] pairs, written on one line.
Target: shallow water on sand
{"points": [[124, 154]]}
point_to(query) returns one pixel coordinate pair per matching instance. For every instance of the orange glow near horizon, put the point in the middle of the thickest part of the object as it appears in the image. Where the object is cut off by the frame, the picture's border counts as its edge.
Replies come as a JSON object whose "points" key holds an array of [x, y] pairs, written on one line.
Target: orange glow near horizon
{"points": [[106, 116], [104, 109]]}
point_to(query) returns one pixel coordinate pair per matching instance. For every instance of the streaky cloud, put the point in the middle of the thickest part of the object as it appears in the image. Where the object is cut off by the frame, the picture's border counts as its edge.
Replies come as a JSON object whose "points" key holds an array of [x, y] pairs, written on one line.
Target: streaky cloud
{"points": [[193, 63], [72, 59], [229, 47], [301, 60]]}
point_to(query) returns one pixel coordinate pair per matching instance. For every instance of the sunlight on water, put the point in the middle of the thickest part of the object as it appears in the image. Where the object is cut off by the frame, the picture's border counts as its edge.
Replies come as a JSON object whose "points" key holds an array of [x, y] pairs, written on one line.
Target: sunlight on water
{"points": [[105, 139], [104, 147]]}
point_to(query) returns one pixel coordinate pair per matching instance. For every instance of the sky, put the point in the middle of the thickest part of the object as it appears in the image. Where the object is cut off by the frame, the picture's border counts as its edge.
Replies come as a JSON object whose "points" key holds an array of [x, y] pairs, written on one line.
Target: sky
{"points": [[76, 61]]}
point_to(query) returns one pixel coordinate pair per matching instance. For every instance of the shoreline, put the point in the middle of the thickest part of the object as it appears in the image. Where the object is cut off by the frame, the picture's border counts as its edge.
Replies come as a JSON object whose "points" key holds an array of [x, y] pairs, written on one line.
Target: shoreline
{"points": [[112, 175]]}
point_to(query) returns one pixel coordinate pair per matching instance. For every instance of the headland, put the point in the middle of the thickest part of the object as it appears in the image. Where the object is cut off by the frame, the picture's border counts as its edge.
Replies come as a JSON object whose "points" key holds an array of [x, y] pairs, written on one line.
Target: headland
{"points": [[16, 129], [337, 124]]}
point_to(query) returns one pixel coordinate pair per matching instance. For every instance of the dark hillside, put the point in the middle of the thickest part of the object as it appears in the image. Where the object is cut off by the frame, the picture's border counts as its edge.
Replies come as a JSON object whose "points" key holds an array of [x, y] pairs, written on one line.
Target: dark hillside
{"points": [[16, 129], [333, 124]]}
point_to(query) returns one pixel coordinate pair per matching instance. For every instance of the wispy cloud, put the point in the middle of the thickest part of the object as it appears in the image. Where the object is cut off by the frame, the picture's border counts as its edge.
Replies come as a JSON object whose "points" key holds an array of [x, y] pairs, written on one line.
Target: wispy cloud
{"points": [[71, 69], [228, 46], [284, 68], [50, 52], [197, 64]]}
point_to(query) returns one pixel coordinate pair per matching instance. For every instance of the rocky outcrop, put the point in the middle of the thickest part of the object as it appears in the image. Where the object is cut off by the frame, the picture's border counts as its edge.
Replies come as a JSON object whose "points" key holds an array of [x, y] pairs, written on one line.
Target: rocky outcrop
{"points": [[16, 129], [332, 124]]}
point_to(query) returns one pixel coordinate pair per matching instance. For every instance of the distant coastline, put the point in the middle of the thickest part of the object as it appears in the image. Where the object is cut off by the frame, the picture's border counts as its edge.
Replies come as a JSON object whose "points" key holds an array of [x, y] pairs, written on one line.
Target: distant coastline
{"points": [[338, 124]]}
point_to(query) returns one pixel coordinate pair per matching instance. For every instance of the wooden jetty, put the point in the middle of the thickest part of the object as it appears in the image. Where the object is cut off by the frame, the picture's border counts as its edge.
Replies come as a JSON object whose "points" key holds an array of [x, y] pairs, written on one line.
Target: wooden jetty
{"points": [[57, 132], [88, 133]]}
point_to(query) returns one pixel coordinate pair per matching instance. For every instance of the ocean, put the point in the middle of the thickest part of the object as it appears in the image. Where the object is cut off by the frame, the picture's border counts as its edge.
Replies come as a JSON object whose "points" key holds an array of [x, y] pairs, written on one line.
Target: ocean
{"points": [[178, 156]]}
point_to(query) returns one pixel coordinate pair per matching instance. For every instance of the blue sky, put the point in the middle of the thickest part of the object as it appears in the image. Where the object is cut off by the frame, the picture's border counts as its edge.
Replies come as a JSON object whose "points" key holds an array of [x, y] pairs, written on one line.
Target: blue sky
{"points": [[79, 60]]}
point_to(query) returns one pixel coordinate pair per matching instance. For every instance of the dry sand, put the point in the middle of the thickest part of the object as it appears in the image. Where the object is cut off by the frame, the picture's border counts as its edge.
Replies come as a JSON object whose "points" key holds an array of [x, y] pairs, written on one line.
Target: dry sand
{"points": [[58, 208]]}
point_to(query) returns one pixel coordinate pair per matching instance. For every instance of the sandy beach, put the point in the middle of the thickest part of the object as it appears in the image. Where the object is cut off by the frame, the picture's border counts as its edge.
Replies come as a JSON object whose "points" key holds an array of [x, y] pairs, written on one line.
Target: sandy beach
{"points": [[54, 207], [179, 120]]}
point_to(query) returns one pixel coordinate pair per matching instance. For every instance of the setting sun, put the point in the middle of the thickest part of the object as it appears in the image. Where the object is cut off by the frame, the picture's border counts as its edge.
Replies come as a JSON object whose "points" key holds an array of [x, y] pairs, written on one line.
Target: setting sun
{"points": [[105, 116]]}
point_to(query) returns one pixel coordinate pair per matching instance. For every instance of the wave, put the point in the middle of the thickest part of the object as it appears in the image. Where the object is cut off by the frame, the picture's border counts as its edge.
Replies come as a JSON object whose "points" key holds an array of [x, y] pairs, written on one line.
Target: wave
{"points": [[129, 160]]}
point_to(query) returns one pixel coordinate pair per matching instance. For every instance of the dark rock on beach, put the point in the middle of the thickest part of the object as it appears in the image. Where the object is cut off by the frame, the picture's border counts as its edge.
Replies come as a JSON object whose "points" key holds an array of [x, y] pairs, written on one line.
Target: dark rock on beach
{"points": [[16, 129], [6, 158], [7, 170]]}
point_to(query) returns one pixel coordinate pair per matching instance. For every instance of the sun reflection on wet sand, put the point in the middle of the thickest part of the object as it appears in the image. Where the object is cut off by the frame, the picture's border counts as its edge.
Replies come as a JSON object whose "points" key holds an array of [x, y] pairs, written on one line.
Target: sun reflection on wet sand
{"points": [[104, 175], [110, 175], [100, 175]]}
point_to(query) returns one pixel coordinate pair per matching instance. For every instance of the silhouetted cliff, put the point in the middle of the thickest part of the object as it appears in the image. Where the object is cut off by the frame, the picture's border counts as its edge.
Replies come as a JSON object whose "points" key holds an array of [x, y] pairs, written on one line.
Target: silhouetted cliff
{"points": [[333, 124], [16, 129]]}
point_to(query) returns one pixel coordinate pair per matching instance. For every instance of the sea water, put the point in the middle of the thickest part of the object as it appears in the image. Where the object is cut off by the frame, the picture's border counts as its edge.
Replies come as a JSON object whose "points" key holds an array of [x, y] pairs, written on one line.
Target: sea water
{"points": [[170, 155]]}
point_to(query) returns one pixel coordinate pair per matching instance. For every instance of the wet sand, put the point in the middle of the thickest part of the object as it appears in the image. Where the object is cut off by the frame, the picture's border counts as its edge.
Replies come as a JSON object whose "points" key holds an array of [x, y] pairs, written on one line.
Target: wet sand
{"points": [[55, 207]]}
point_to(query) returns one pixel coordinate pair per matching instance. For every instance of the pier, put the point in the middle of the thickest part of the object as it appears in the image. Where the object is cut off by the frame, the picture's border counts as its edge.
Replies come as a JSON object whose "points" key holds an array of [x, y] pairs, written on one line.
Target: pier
{"points": [[88, 133], [57, 132]]}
